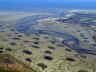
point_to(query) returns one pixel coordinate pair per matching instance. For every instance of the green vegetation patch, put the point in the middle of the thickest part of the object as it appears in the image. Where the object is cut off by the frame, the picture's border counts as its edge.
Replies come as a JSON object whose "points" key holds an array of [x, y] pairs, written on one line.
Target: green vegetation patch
{"points": [[6, 70]]}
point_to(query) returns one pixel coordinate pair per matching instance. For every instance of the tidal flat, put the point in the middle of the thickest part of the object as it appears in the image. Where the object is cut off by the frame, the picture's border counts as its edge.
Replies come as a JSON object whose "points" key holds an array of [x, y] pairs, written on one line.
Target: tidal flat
{"points": [[63, 41]]}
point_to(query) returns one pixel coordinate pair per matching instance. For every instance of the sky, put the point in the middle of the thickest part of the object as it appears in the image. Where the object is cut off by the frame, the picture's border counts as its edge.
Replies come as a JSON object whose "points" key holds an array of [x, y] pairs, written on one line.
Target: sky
{"points": [[48, 0], [29, 4]]}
